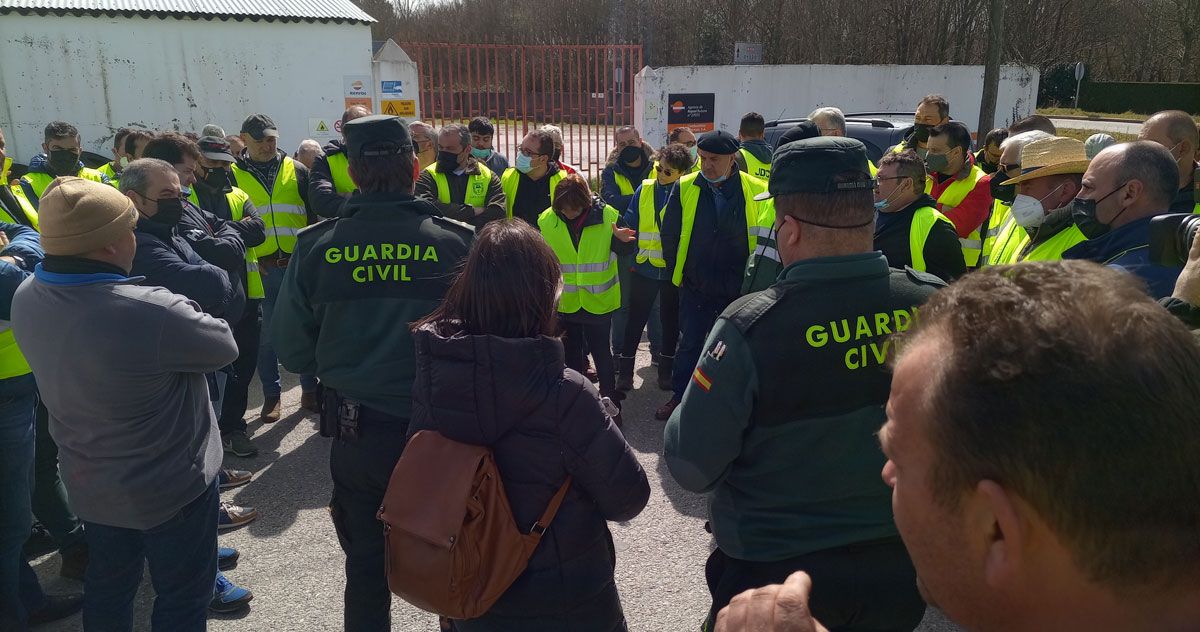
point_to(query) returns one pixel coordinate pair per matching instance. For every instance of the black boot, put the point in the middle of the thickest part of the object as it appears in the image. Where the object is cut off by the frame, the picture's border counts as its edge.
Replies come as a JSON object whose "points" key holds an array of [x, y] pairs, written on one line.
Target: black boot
{"points": [[666, 364], [625, 372]]}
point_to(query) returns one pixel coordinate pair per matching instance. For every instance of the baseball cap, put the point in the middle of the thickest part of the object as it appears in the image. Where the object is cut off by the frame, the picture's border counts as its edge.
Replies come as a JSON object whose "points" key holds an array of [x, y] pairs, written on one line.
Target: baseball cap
{"points": [[259, 126], [215, 148], [812, 165], [212, 129], [377, 135]]}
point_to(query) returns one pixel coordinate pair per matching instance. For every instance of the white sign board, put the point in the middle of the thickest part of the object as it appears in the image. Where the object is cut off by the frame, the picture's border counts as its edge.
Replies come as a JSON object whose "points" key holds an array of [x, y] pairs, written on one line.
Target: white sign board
{"points": [[323, 130]]}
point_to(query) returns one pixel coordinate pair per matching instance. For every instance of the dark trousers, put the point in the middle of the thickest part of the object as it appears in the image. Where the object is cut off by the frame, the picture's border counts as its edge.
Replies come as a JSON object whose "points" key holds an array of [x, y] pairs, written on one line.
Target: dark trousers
{"points": [[50, 504], [182, 554], [246, 334], [697, 315], [865, 587], [361, 469], [594, 337], [20, 592], [642, 292]]}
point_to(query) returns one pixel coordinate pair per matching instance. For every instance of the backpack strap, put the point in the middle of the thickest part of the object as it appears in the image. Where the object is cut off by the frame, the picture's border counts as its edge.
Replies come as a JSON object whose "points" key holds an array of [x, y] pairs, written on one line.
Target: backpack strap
{"points": [[539, 528]]}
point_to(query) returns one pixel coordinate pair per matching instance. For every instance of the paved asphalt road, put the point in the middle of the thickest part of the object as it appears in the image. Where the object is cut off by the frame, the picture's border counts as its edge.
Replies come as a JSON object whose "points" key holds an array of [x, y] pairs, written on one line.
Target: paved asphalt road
{"points": [[1103, 126], [291, 560]]}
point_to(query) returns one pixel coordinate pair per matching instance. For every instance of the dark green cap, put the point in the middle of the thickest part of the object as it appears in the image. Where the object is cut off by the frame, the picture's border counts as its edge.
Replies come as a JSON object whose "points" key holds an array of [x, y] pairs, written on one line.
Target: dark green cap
{"points": [[812, 164], [377, 135]]}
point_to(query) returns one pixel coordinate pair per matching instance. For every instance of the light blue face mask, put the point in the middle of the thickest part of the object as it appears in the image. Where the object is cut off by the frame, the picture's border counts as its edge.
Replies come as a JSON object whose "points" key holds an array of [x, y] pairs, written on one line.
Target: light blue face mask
{"points": [[481, 154], [186, 191], [694, 152], [714, 181], [524, 163]]}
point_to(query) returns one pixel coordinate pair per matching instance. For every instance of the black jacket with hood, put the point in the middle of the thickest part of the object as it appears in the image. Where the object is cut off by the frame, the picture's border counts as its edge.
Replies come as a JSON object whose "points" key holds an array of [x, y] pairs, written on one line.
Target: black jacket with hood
{"points": [[544, 422]]}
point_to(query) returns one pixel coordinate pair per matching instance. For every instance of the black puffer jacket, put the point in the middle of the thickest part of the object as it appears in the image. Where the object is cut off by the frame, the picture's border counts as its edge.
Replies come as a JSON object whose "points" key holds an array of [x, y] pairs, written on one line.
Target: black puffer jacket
{"points": [[543, 423]]}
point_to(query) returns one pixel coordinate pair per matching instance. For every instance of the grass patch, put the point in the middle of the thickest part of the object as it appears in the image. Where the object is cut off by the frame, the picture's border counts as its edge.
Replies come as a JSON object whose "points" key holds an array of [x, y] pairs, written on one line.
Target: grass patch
{"points": [[1083, 134], [1130, 116]]}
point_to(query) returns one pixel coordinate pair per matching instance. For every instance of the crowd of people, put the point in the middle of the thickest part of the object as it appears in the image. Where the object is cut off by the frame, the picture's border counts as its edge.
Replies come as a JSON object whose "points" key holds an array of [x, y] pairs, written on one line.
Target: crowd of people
{"points": [[954, 376]]}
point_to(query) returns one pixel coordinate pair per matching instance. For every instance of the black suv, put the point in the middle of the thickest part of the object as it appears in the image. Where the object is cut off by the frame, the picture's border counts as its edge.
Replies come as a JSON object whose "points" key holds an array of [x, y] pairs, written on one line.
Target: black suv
{"points": [[877, 130]]}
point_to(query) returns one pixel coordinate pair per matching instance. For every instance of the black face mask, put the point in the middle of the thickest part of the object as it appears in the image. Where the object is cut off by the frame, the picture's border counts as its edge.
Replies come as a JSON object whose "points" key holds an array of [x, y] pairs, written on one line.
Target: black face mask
{"points": [[63, 162], [921, 132], [447, 162], [1084, 213], [631, 154], [1004, 192], [170, 210], [217, 178]]}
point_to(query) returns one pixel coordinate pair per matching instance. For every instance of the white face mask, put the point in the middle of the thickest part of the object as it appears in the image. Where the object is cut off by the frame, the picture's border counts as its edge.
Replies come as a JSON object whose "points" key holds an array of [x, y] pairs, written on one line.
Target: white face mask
{"points": [[1027, 210]]}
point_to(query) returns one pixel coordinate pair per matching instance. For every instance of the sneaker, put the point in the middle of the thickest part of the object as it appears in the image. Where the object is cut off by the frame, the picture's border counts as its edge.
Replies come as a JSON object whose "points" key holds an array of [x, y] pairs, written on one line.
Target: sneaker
{"points": [[309, 402], [270, 410], [664, 412], [231, 516], [56, 607], [229, 478], [238, 444], [228, 597], [40, 542], [74, 562], [227, 557]]}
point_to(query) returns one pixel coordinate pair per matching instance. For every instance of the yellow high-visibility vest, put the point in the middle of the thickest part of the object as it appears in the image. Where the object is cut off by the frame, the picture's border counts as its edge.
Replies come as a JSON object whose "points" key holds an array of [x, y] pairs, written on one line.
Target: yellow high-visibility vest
{"points": [[512, 179], [649, 237], [237, 201], [954, 194], [924, 219], [477, 185], [689, 197], [756, 167], [589, 271], [339, 168], [282, 210]]}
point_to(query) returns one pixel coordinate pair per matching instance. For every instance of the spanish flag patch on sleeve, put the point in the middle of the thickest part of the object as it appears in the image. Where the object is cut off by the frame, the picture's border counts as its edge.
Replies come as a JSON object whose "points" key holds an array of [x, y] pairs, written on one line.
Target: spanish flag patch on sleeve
{"points": [[701, 380]]}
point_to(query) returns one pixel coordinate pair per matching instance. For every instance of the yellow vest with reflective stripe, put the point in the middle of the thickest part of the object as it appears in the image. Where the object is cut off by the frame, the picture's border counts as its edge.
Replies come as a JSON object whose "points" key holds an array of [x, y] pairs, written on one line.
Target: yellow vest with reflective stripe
{"points": [[38, 181], [1052, 249], [589, 273], [477, 185], [623, 184], [113, 178], [954, 194], [756, 167], [649, 237], [689, 197], [26, 207], [12, 361], [237, 200], [996, 220], [282, 210], [339, 168], [923, 222], [1010, 241], [512, 179]]}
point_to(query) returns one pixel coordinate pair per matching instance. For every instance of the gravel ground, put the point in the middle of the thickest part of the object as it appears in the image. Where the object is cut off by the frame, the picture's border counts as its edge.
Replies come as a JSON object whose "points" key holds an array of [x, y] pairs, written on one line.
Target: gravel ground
{"points": [[291, 560]]}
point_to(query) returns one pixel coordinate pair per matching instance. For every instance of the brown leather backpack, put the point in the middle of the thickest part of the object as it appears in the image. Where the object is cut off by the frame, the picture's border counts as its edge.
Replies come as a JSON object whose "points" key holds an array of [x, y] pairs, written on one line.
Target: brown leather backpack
{"points": [[452, 544]]}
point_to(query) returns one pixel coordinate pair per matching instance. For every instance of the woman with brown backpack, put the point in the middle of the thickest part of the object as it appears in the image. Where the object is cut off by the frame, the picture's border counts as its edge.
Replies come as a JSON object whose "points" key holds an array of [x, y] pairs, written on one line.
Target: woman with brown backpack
{"points": [[490, 372]]}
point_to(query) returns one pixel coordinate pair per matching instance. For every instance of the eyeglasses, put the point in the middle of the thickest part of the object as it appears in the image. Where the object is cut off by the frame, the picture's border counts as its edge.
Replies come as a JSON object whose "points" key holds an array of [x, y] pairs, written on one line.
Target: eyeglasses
{"points": [[666, 172], [529, 154]]}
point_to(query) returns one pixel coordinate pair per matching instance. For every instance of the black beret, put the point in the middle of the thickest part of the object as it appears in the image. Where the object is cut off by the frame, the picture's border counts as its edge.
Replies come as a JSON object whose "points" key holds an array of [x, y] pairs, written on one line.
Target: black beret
{"points": [[718, 142]]}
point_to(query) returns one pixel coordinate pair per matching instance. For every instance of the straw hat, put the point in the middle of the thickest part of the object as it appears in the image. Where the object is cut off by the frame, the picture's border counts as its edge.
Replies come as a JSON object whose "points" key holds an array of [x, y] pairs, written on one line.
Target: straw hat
{"points": [[1051, 157]]}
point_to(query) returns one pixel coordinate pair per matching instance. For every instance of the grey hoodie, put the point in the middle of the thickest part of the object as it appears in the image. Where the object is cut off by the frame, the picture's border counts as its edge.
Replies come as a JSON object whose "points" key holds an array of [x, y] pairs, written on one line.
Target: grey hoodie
{"points": [[121, 369]]}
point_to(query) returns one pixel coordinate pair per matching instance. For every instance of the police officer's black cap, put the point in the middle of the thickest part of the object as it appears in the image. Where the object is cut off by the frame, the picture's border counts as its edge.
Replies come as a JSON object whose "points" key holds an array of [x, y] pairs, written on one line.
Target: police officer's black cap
{"points": [[807, 129], [259, 126], [812, 165], [377, 135], [718, 142]]}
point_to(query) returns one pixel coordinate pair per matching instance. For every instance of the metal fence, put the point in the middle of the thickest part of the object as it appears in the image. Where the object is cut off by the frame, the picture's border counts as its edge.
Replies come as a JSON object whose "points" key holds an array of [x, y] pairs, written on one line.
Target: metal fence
{"points": [[585, 90]]}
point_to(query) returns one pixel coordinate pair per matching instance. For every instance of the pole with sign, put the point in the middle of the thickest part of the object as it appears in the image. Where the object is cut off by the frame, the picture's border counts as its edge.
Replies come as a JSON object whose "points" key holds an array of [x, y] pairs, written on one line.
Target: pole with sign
{"points": [[1079, 71]]}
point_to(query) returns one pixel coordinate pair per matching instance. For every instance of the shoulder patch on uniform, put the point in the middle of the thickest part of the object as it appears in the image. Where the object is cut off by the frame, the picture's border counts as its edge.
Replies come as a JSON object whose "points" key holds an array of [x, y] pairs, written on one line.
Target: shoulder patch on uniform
{"points": [[923, 278], [747, 310]]}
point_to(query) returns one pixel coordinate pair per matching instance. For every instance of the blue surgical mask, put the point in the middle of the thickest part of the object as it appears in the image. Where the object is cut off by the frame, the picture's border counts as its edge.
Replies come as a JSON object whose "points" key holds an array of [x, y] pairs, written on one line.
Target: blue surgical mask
{"points": [[524, 163], [716, 180], [481, 154], [694, 152], [880, 205], [186, 191]]}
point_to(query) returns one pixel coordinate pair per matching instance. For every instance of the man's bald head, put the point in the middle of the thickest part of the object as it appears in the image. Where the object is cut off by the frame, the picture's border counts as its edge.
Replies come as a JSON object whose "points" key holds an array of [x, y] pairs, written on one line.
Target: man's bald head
{"points": [[1176, 130], [354, 112]]}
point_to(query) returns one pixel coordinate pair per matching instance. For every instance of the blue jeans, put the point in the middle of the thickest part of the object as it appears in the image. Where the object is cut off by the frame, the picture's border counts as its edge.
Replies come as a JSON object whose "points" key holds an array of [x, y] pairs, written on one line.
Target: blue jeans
{"points": [[697, 315], [20, 592], [268, 363], [620, 318], [182, 553]]}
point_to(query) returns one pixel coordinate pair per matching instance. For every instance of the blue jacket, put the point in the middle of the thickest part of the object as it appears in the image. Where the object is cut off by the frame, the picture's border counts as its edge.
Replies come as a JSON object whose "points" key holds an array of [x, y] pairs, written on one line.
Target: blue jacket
{"points": [[166, 259], [630, 220], [718, 250], [1128, 248], [23, 242]]}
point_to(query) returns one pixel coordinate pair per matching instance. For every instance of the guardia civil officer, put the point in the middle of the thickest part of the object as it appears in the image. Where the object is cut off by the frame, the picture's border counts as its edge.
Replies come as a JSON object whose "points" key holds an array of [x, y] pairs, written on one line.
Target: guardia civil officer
{"points": [[352, 285], [779, 419]]}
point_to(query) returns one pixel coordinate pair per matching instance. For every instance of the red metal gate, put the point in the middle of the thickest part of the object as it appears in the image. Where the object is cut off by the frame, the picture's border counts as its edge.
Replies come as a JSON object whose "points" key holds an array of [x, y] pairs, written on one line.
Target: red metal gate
{"points": [[585, 90]]}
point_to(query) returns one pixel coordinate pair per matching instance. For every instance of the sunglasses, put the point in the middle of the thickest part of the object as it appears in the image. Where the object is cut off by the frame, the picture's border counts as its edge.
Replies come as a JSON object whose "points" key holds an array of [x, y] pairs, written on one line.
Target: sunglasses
{"points": [[666, 172]]}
